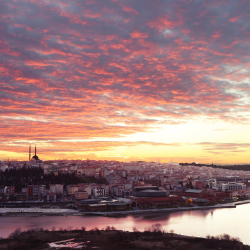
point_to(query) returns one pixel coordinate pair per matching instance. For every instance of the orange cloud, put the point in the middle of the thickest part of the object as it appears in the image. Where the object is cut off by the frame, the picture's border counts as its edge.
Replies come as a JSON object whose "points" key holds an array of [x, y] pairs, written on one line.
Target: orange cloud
{"points": [[80, 70]]}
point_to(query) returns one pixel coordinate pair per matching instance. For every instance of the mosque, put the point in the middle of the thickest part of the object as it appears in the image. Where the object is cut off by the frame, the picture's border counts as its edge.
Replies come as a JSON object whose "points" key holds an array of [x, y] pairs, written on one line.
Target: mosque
{"points": [[35, 157]]}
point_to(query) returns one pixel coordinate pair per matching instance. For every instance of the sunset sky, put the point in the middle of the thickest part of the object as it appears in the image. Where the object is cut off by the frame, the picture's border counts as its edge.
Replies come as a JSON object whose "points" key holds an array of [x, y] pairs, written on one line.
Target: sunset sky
{"points": [[125, 80]]}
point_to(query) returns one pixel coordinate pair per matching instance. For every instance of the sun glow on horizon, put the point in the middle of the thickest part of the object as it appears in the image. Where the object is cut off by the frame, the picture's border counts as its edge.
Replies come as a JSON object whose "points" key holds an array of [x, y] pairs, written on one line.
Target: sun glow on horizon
{"points": [[125, 80]]}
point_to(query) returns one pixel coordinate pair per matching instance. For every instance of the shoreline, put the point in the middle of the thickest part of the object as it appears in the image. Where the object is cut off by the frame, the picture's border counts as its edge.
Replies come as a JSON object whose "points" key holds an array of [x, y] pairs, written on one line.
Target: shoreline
{"points": [[39, 212], [179, 209]]}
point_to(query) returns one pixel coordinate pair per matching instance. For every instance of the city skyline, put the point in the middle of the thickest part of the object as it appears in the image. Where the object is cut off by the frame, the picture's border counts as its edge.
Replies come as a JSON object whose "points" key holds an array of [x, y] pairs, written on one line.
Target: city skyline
{"points": [[125, 80]]}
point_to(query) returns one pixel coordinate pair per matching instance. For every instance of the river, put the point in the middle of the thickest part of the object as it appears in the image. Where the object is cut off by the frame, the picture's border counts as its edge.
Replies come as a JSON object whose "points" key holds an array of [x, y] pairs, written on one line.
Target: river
{"points": [[232, 221]]}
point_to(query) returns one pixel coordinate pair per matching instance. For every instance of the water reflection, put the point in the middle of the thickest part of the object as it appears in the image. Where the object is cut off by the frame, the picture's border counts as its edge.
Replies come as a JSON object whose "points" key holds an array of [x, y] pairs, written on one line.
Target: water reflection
{"points": [[233, 221], [203, 214]]}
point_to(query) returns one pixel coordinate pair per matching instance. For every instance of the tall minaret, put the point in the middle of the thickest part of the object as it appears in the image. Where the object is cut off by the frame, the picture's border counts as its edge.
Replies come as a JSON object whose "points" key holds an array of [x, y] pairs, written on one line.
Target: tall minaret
{"points": [[29, 152], [35, 149]]}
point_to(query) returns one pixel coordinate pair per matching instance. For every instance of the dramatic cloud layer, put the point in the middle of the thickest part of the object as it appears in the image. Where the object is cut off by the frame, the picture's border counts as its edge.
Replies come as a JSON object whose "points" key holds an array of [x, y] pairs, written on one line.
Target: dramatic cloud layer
{"points": [[77, 70]]}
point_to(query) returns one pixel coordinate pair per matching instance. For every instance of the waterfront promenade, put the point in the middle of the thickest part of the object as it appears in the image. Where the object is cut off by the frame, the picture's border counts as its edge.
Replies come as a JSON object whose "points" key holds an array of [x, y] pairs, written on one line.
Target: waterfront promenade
{"points": [[32, 211], [226, 205], [59, 211]]}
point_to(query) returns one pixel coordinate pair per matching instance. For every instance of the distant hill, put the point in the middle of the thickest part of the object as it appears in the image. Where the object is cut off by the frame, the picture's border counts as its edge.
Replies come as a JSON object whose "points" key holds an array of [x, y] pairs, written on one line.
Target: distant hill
{"points": [[244, 167]]}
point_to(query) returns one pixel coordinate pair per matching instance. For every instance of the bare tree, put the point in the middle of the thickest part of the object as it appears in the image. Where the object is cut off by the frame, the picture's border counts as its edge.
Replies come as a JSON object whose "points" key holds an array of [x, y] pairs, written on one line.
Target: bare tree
{"points": [[16, 233]]}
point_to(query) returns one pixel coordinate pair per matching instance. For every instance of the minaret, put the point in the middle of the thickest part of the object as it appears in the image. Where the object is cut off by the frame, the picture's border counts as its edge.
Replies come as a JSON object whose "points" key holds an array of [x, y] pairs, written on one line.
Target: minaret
{"points": [[29, 152], [35, 157]]}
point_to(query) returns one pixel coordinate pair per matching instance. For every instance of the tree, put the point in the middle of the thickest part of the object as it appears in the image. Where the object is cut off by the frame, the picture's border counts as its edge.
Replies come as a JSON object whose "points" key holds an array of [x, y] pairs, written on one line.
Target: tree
{"points": [[16, 233]]}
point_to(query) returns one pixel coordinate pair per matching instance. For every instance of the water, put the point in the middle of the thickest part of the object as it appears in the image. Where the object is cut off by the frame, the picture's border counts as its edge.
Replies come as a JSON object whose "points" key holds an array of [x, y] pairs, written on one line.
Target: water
{"points": [[232, 221]]}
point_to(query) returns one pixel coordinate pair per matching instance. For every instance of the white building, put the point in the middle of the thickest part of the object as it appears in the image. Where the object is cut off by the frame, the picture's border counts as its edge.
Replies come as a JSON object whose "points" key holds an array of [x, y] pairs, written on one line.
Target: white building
{"points": [[56, 188], [42, 189], [100, 192], [231, 186]]}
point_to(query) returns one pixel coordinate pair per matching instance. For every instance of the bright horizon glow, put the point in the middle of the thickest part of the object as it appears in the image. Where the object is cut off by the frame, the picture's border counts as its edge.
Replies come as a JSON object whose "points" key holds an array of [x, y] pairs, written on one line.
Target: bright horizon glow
{"points": [[125, 80]]}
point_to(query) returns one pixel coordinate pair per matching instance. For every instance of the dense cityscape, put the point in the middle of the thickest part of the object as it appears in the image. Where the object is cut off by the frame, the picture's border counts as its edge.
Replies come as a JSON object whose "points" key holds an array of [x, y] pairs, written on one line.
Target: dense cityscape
{"points": [[112, 185]]}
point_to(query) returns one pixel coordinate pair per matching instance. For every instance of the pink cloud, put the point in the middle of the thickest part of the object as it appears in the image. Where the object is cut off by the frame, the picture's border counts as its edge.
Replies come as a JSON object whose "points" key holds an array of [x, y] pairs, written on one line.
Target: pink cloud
{"points": [[91, 69]]}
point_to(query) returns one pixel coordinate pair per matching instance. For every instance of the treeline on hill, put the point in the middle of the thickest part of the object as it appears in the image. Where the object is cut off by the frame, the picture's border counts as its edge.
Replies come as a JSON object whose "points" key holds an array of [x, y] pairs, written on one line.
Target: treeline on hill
{"points": [[229, 167], [24, 176], [110, 238]]}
